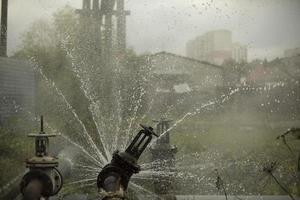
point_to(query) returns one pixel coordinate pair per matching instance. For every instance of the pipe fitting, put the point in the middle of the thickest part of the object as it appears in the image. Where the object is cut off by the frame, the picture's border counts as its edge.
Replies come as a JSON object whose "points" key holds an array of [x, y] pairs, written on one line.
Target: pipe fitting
{"points": [[113, 179]]}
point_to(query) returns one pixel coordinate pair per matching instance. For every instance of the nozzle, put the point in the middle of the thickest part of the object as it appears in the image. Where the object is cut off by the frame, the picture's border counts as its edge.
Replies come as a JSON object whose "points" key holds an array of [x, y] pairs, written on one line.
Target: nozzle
{"points": [[141, 141], [114, 177]]}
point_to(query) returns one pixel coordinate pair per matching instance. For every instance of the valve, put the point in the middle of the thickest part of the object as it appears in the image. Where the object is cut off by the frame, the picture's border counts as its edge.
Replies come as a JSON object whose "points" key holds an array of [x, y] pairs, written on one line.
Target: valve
{"points": [[163, 159], [43, 178], [162, 127], [114, 177]]}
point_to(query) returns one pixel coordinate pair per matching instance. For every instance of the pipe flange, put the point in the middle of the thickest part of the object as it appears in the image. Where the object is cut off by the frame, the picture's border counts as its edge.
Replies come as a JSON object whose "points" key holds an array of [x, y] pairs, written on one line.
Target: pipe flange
{"points": [[50, 179], [42, 177]]}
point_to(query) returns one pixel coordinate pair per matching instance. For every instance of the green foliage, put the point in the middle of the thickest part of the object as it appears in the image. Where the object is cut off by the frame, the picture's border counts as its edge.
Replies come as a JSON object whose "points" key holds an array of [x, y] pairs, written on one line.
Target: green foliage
{"points": [[242, 154], [46, 45], [135, 84], [15, 147]]}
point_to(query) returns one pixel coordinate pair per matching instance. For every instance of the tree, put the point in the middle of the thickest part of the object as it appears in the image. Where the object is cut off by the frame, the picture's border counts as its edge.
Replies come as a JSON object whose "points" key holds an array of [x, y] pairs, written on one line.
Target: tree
{"points": [[47, 44], [64, 50]]}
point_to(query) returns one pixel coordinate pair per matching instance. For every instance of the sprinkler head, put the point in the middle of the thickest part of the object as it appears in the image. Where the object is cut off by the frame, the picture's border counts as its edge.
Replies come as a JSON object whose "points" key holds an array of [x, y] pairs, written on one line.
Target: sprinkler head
{"points": [[115, 176]]}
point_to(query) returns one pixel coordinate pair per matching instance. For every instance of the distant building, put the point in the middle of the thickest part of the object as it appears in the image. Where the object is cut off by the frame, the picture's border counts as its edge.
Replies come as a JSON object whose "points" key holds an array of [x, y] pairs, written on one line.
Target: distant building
{"points": [[17, 87], [216, 47], [181, 73], [278, 71], [239, 52], [176, 77], [292, 52]]}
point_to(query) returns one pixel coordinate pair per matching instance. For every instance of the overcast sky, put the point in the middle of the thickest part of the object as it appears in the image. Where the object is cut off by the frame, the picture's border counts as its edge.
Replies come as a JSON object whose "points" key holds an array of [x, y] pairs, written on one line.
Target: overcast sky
{"points": [[267, 27]]}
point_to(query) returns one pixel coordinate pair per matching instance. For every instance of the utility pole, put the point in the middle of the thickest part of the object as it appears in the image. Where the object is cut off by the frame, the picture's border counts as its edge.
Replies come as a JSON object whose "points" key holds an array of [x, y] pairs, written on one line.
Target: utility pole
{"points": [[3, 35]]}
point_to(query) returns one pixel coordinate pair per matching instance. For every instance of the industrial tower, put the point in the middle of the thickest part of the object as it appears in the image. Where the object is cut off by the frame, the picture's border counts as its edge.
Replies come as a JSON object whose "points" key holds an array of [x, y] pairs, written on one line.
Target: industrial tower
{"points": [[107, 16]]}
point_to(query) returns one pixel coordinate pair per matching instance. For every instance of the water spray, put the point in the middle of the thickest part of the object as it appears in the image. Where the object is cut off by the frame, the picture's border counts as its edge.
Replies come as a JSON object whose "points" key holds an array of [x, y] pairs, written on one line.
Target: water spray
{"points": [[113, 179], [163, 155], [43, 179]]}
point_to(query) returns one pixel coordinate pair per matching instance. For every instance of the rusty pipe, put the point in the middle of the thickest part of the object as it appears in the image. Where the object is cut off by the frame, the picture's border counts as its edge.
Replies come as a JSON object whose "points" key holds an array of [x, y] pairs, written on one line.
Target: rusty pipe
{"points": [[113, 179], [33, 191], [37, 181]]}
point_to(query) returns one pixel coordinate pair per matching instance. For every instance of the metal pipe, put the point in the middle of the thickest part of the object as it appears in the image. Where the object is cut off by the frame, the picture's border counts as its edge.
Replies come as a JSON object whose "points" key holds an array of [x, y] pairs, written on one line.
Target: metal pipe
{"points": [[113, 179], [43, 178], [65, 163], [35, 186], [33, 191], [3, 35], [65, 168]]}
